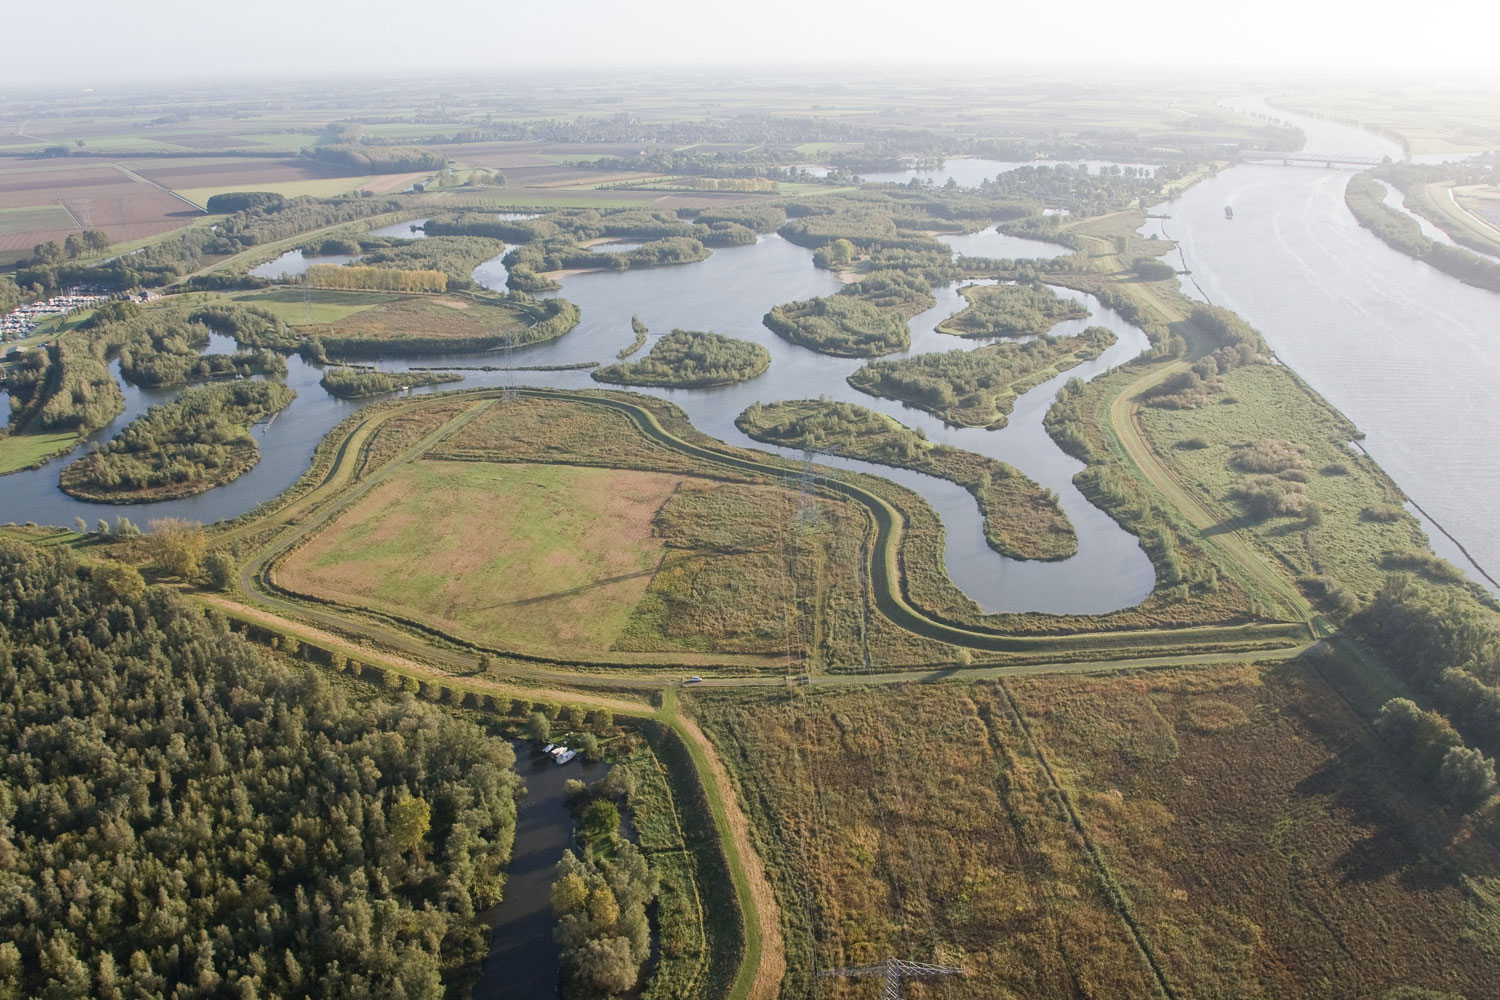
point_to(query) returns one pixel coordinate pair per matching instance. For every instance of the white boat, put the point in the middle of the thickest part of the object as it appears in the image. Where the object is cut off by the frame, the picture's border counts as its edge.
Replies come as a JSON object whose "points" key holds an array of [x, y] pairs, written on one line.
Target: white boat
{"points": [[558, 750], [566, 756], [549, 748]]}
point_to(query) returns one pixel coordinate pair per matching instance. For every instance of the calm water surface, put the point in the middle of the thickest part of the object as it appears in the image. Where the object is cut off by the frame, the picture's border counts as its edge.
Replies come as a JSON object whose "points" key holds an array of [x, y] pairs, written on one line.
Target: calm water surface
{"points": [[524, 961], [729, 293]]}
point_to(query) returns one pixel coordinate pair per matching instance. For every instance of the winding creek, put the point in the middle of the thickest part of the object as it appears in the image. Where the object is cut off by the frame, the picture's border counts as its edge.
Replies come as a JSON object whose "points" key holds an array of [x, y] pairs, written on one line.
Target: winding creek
{"points": [[729, 293], [1368, 328]]}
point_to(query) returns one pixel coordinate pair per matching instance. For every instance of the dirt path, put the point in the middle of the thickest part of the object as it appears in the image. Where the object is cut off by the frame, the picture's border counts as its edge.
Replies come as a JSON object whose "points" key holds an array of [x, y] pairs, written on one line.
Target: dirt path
{"points": [[764, 963], [1124, 417]]}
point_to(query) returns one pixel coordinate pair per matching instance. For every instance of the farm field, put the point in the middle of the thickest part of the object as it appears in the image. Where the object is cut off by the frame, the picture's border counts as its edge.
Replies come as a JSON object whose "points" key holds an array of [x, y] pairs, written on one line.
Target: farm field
{"points": [[1428, 119], [41, 201]]}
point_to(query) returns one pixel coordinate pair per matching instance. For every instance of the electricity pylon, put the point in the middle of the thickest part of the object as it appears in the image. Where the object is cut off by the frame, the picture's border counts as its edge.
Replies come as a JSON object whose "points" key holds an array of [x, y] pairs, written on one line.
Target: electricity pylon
{"points": [[893, 970]]}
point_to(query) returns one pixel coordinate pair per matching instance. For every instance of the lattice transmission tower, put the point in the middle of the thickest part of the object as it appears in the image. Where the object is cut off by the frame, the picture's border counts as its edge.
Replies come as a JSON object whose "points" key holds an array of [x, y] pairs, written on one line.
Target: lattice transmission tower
{"points": [[893, 970]]}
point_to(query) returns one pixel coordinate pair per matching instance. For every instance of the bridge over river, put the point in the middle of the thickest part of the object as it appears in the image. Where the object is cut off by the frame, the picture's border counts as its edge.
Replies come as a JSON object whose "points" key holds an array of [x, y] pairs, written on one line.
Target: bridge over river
{"points": [[1330, 160]]}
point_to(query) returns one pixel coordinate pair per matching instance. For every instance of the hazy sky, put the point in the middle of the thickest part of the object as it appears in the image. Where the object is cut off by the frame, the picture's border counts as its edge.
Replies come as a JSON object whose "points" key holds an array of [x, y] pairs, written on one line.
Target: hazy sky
{"points": [[96, 41]]}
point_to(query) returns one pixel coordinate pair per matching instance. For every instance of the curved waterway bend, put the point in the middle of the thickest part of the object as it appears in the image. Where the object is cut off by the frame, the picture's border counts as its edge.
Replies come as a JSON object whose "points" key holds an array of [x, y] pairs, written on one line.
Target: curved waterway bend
{"points": [[729, 293], [1409, 354]]}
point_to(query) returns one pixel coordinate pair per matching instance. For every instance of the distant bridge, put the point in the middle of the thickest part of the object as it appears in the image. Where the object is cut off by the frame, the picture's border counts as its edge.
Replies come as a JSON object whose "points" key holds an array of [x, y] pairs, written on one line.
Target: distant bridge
{"points": [[1314, 159]]}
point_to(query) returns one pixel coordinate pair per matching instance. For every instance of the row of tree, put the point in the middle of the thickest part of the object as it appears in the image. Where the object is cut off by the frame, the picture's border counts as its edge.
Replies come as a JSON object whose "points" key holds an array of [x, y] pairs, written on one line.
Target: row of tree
{"points": [[375, 279]]}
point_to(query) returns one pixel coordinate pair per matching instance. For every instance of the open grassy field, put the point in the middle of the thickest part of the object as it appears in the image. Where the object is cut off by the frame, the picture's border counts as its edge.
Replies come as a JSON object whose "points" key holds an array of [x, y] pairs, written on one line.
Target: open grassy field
{"points": [[535, 556], [22, 451], [299, 306], [361, 323], [1230, 832], [1268, 844], [1471, 215], [324, 187], [1225, 445], [916, 822]]}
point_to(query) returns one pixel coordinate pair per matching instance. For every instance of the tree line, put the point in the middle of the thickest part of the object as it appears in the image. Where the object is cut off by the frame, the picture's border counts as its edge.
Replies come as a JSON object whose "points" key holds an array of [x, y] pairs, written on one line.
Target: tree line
{"points": [[1365, 197], [374, 279]]}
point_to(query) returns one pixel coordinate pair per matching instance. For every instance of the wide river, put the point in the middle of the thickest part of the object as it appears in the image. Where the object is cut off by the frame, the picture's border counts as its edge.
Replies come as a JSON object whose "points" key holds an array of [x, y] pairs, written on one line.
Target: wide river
{"points": [[1409, 354]]}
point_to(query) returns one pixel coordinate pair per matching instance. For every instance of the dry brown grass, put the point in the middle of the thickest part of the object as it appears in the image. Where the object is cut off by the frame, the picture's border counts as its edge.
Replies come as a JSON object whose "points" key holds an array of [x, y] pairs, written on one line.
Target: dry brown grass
{"points": [[540, 558]]}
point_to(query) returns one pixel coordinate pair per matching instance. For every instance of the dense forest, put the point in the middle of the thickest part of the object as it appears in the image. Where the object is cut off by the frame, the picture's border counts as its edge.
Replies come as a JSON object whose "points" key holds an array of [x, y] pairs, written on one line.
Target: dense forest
{"points": [[976, 388], [379, 159], [65, 385], [689, 359], [181, 816], [159, 347], [1448, 650], [353, 383], [197, 441], [1020, 310], [865, 319]]}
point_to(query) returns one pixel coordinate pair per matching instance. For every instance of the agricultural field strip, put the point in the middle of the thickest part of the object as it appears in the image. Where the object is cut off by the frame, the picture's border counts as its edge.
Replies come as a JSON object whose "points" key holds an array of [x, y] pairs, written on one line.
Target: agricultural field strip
{"points": [[146, 180], [885, 572]]}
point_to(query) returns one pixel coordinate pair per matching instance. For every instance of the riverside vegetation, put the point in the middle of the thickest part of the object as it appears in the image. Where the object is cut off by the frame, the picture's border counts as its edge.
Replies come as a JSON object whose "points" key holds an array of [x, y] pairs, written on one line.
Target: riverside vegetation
{"points": [[866, 318], [977, 388], [1021, 520], [1011, 311], [688, 359], [197, 441], [356, 383]]}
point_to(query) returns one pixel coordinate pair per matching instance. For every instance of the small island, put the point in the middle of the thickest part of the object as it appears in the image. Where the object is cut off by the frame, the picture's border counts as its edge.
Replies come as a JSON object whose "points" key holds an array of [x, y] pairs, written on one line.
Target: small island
{"points": [[357, 383], [977, 388], [179, 449], [1026, 310], [1021, 520], [865, 319], [691, 359]]}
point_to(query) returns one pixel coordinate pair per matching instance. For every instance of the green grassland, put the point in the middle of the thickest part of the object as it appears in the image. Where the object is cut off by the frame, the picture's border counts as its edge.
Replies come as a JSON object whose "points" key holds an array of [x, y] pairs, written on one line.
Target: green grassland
{"points": [[1262, 403], [26, 451], [302, 306]]}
